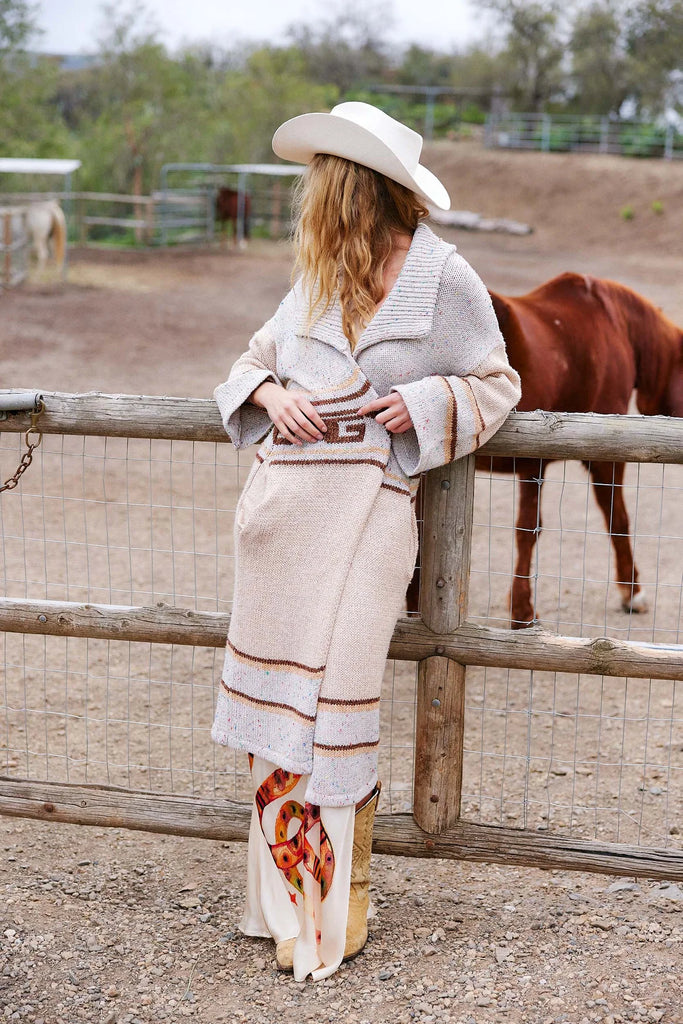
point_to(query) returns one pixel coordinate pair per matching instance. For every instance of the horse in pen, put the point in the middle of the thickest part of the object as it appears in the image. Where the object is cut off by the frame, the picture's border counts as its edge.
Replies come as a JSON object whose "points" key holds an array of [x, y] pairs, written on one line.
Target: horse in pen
{"points": [[582, 344], [234, 208], [46, 224]]}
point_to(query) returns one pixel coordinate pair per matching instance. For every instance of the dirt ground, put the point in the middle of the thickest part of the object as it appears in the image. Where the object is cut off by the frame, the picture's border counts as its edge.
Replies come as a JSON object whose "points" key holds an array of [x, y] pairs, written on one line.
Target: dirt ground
{"points": [[115, 926]]}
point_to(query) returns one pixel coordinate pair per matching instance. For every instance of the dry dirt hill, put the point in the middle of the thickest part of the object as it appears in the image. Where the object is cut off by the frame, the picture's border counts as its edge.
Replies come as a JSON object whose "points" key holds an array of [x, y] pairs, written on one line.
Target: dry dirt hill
{"points": [[572, 200]]}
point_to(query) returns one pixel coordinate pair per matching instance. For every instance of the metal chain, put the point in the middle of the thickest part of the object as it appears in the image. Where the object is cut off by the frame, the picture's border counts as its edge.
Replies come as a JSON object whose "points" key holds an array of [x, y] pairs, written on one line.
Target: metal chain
{"points": [[27, 457]]}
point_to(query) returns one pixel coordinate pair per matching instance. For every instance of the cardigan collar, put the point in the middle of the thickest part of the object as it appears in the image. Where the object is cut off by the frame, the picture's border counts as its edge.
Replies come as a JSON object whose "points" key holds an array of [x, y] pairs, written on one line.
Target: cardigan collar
{"points": [[407, 311]]}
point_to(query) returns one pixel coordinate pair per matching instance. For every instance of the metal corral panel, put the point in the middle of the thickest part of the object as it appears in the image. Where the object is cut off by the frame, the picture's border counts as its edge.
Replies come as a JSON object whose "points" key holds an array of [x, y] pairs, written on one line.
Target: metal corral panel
{"points": [[12, 165]]}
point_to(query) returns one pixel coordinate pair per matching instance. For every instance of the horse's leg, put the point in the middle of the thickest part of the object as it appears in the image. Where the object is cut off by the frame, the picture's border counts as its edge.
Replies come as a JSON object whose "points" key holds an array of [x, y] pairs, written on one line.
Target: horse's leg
{"points": [[608, 478], [527, 530], [42, 251]]}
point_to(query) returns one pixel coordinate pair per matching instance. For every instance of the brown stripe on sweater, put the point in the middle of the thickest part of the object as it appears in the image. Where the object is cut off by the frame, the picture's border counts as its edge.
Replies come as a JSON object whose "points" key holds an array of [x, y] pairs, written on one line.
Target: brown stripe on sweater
{"points": [[451, 431], [356, 702], [278, 662], [270, 705], [399, 490], [454, 422], [345, 750], [475, 405], [330, 462], [343, 398]]}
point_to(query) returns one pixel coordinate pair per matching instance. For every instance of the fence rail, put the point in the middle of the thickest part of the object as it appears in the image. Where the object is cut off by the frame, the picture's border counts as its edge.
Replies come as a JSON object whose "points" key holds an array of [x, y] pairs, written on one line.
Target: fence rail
{"points": [[545, 435], [396, 834], [444, 644], [168, 216], [582, 133]]}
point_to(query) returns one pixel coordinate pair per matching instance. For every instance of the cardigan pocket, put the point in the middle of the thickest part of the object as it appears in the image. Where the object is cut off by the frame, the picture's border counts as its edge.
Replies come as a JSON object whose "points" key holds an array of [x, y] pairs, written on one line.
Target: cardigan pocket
{"points": [[256, 474]]}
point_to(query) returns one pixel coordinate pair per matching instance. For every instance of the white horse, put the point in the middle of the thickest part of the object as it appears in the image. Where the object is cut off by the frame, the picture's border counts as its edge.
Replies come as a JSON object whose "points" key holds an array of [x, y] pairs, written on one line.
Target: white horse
{"points": [[45, 220]]}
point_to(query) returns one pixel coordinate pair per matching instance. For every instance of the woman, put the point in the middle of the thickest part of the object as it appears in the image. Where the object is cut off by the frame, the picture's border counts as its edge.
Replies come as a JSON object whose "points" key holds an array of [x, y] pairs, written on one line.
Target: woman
{"points": [[384, 360]]}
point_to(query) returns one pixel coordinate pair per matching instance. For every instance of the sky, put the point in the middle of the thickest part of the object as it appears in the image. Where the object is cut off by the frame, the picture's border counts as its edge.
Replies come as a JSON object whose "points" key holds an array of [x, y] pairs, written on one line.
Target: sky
{"points": [[73, 26]]}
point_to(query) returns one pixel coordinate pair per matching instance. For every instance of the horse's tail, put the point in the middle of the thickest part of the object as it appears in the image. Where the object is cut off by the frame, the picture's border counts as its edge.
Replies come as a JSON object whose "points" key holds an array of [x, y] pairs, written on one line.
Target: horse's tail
{"points": [[59, 234]]}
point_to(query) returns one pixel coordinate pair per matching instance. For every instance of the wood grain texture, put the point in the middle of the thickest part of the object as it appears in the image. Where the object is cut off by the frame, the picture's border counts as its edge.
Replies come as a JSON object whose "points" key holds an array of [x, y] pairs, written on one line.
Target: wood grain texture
{"points": [[445, 571], [547, 435], [439, 743], [469, 644], [397, 834]]}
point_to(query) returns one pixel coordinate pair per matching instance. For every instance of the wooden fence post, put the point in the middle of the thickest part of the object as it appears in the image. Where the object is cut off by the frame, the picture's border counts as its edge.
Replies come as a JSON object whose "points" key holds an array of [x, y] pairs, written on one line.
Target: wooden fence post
{"points": [[7, 243], [446, 543], [82, 226]]}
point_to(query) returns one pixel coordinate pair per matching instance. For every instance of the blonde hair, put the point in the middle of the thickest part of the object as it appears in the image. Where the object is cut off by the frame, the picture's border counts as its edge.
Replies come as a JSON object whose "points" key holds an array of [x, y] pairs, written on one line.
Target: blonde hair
{"points": [[344, 215]]}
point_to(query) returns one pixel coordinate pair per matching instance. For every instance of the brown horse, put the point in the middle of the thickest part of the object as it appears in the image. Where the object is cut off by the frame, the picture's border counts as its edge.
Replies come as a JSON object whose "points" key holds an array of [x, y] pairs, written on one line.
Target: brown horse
{"points": [[228, 212], [583, 344]]}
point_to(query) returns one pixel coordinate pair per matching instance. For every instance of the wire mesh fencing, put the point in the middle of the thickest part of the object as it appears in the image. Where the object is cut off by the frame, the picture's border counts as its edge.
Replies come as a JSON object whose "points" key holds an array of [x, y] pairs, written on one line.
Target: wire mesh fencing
{"points": [[589, 755], [135, 522], [130, 523]]}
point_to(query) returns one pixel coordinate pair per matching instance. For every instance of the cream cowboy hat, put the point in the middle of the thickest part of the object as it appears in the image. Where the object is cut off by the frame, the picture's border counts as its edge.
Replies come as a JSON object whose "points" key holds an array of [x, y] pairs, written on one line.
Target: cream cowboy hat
{"points": [[365, 134]]}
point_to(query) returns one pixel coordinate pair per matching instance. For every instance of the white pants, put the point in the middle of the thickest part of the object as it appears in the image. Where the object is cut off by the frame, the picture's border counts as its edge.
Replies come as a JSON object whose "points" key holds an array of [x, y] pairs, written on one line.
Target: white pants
{"points": [[298, 870]]}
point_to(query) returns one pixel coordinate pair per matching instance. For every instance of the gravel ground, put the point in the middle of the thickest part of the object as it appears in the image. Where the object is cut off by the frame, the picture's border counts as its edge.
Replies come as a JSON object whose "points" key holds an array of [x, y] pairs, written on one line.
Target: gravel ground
{"points": [[122, 927], [119, 928]]}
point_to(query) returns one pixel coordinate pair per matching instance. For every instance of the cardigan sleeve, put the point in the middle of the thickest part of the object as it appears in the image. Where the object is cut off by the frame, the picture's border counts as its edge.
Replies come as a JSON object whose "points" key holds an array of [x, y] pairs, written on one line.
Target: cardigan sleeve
{"points": [[245, 422], [454, 413]]}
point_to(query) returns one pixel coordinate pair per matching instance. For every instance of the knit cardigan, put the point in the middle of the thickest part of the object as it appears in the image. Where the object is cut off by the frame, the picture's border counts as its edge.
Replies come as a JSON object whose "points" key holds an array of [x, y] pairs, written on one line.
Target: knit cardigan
{"points": [[325, 532]]}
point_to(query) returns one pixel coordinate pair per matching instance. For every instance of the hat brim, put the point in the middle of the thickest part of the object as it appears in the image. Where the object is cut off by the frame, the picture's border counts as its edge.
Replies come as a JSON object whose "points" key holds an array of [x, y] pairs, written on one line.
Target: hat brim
{"points": [[300, 138]]}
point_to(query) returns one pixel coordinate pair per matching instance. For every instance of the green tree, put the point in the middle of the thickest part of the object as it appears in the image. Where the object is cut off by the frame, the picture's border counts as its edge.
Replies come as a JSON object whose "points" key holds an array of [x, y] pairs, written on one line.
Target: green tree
{"points": [[654, 43], [272, 87], [533, 53], [479, 67], [30, 125], [599, 65], [17, 25], [348, 48], [138, 107], [422, 66]]}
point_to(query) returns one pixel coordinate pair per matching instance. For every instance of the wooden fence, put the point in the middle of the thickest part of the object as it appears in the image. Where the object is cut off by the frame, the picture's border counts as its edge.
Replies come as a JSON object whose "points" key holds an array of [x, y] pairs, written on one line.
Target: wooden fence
{"points": [[441, 641], [165, 217], [14, 245]]}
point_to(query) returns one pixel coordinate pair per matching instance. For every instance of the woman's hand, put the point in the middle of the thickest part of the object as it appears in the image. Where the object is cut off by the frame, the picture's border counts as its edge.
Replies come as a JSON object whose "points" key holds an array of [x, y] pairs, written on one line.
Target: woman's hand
{"points": [[394, 414], [290, 411]]}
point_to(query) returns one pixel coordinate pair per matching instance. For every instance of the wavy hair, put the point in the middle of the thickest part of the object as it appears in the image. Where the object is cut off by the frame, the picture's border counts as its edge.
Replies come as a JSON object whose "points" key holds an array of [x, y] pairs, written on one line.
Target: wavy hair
{"points": [[344, 215]]}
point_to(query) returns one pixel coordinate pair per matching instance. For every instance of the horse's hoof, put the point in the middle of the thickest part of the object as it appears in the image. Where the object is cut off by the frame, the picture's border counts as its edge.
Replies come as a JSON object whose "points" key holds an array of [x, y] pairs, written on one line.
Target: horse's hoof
{"points": [[523, 623], [635, 602]]}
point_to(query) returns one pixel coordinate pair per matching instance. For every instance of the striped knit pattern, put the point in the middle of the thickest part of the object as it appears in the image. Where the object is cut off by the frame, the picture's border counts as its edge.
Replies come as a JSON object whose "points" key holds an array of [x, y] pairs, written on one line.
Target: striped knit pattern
{"points": [[325, 532], [467, 411], [310, 519]]}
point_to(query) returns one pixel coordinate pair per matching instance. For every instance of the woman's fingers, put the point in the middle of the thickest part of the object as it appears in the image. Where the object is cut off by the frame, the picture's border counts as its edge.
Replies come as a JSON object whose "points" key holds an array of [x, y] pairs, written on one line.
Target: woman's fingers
{"points": [[305, 428], [313, 415], [303, 419], [398, 424], [394, 415], [299, 421], [287, 431]]}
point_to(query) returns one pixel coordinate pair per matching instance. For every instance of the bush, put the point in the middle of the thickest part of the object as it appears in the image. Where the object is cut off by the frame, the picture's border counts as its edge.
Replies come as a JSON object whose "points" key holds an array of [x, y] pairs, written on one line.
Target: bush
{"points": [[642, 140]]}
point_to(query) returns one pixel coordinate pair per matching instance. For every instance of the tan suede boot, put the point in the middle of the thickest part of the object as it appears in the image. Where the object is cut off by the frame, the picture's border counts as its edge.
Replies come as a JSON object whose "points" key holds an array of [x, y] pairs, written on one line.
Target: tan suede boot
{"points": [[359, 891], [284, 955]]}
